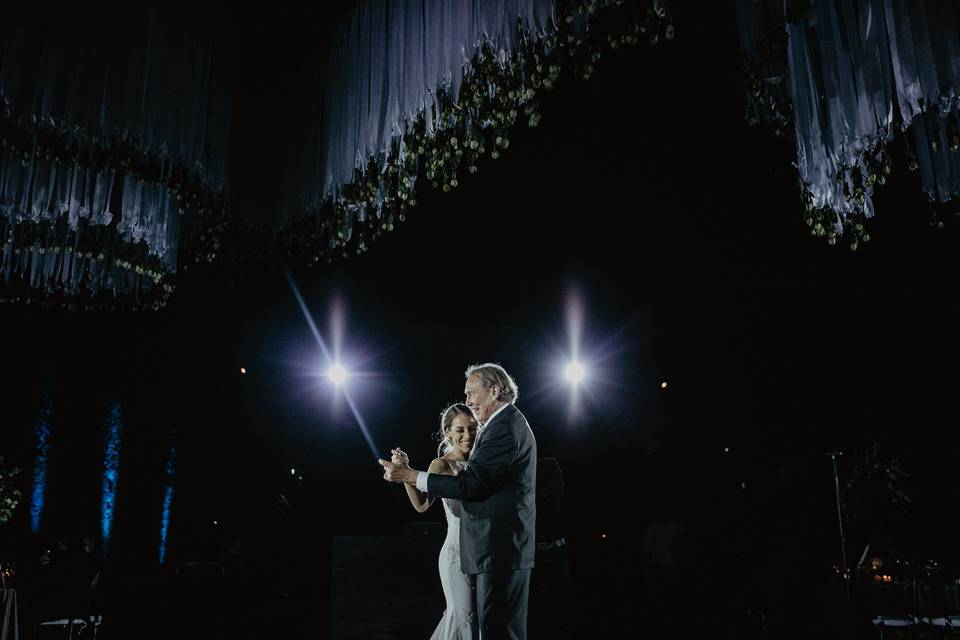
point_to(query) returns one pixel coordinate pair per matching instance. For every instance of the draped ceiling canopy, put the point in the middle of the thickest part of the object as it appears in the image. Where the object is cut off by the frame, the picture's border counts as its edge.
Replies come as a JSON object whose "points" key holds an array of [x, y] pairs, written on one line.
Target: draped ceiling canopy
{"points": [[118, 140], [417, 92], [114, 127], [844, 80], [116, 121], [118, 137]]}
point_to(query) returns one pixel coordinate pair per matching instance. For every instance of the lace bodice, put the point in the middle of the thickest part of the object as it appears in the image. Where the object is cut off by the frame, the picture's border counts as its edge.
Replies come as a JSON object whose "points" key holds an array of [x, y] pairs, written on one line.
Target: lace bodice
{"points": [[453, 507]]}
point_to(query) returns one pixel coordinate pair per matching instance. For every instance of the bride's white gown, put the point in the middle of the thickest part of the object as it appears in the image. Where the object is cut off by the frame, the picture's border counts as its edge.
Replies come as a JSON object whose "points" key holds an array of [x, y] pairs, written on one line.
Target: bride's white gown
{"points": [[459, 621]]}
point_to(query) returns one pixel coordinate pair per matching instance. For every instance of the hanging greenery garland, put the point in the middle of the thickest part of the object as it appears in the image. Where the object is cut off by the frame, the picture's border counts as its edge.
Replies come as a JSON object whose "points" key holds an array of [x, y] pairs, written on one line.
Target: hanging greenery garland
{"points": [[9, 493]]}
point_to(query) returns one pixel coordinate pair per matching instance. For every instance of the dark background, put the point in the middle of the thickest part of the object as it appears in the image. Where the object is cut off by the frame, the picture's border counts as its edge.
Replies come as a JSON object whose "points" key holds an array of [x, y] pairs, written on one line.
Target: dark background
{"points": [[682, 229]]}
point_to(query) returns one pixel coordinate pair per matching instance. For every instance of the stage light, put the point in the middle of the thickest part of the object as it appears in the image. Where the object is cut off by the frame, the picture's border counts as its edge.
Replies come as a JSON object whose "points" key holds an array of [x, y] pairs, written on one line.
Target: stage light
{"points": [[293, 471], [663, 385], [337, 374], [242, 370], [574, 372], [215, 522]]}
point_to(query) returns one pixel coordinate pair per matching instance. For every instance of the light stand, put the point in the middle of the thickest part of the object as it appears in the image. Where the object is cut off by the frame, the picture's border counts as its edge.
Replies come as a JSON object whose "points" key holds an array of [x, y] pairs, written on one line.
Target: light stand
{"points": [[843, 539]]}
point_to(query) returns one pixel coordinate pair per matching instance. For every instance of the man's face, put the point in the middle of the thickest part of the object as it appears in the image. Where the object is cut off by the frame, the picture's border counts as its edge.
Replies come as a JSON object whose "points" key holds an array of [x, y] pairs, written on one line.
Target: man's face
{"points": [[479, 398]]}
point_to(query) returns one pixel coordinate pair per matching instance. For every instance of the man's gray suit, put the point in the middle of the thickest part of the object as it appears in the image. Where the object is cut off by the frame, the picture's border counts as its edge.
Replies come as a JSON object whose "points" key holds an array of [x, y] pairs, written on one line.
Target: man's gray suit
{"points": [[497, 541]]}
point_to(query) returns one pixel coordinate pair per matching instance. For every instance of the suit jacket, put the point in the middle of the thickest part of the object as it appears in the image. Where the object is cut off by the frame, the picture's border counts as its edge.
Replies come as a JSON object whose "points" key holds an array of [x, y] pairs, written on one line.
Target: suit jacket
{"points": [[498, 488]]}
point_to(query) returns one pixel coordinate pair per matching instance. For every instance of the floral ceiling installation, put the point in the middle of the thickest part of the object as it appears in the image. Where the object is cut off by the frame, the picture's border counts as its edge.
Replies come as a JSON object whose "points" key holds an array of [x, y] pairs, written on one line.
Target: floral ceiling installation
{"points": [[842, 79], [419, 91], [114, 131]]}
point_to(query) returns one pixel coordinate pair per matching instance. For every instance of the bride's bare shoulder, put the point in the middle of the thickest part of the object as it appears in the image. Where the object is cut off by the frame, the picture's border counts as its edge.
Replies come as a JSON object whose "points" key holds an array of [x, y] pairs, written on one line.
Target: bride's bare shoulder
{"points": [[441, 465]]}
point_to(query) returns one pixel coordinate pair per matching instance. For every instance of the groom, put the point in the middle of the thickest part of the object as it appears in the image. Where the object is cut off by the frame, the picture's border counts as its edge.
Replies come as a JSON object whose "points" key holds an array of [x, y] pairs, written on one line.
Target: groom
{"points": [[498, 489]]}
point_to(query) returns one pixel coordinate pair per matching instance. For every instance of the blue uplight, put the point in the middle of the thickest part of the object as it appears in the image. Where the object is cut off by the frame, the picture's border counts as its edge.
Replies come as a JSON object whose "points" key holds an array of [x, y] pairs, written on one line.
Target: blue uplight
{"points": [[111, 467], [169, 471], [37, 497]]}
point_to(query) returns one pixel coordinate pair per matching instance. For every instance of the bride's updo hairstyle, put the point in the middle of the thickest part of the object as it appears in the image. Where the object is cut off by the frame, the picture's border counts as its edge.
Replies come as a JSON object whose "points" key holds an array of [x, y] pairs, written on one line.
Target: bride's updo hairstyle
{"points": [[446, 420]]}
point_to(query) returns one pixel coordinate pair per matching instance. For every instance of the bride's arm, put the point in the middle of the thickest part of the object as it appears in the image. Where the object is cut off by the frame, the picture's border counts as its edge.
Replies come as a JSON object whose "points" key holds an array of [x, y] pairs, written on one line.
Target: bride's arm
{"points": [[422, 501]]}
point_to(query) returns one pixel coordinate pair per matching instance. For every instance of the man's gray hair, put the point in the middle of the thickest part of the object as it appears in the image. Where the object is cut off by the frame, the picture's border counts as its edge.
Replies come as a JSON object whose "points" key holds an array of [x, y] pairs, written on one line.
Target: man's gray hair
{"points": [[491, 374]]}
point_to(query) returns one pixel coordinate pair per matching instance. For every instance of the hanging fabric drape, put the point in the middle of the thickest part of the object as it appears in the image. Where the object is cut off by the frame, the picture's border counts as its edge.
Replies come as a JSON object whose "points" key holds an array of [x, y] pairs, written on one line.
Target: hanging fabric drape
{"points": [[386, 63], [420, 89], [115, 122], [852, 75]]}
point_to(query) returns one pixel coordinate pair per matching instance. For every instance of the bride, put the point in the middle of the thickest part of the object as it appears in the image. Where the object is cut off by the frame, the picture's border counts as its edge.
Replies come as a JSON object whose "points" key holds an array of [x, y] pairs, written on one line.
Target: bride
{"points": [[458, 429]]}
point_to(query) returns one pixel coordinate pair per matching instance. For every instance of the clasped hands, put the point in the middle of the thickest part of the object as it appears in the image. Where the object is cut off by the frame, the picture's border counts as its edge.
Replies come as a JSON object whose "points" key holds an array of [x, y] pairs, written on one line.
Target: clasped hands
{"points": [[397, 469]]}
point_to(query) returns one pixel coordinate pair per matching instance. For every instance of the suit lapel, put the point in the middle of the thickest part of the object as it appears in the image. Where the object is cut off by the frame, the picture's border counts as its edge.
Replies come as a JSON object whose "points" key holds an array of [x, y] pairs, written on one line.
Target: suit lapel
{"points": [[476, 445], [490, 423]]}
